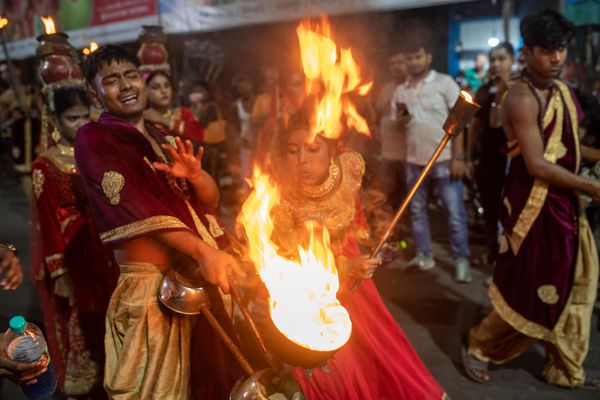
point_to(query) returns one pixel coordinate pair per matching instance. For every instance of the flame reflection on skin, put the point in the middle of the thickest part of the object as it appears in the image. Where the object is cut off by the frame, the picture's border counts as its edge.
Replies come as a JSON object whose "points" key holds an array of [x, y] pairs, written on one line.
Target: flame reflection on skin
{"points": [[49, 26], [302, 293], [331, 74]]}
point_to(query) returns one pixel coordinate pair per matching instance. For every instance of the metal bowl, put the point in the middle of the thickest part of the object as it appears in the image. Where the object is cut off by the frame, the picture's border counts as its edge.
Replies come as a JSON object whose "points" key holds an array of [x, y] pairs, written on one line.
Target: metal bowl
{"points": [[291, 352], [180, 296]]}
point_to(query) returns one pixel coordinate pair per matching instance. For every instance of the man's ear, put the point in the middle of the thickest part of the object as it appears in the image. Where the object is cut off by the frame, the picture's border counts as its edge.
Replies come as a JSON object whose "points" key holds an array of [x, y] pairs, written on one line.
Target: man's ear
{"points": [[94, 97], [526, 51]]}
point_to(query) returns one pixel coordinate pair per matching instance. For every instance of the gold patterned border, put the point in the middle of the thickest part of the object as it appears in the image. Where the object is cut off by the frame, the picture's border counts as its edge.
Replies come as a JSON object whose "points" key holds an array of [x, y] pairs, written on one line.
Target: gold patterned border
{"points": [[137, 228], [204, 234], [539, 190]]}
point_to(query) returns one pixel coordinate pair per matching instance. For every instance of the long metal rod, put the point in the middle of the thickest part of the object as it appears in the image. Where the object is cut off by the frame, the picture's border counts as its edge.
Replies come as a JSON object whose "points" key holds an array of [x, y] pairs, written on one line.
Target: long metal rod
{"points": [[227, 340], [407, 199], [237, 298], [14, 80], [411, 194]]}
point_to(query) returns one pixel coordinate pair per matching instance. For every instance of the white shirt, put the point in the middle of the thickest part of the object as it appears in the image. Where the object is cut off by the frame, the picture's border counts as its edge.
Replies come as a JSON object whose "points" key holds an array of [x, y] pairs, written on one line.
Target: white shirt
{"points": [[393, 137], [428, 103], [246, 131]]}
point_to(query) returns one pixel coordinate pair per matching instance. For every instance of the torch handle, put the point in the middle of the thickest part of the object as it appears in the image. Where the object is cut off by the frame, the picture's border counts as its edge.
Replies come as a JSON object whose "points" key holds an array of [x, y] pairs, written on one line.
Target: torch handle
{"points": [[235, 294], [14, 80], [407, 199], [237, 353]]}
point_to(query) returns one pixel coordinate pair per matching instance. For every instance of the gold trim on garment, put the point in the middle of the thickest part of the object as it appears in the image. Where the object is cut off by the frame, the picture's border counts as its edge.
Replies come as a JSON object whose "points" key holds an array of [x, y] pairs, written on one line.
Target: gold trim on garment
{"points": [[213, 226], [553, 151], [137, 228], [548, 294], [54, 257], [63, 158], [112, 184], [335, 211], [37, 180], [58, 272], [204, 234]]}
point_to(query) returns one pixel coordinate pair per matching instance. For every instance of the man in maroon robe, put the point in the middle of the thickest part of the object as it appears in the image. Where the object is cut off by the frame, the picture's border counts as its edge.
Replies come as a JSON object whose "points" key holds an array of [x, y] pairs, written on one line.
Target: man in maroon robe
{"points": [[547, 270], [153, 206]]}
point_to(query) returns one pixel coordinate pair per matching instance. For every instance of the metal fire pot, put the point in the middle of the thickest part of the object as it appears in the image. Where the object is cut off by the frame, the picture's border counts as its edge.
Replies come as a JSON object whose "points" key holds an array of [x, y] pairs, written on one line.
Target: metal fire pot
{"points": [[288, 351]]}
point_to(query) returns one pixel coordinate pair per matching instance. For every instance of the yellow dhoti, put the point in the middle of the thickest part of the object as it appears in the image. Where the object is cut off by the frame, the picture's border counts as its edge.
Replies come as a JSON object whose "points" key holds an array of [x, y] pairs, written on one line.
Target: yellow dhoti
{"points": [[147, 346]]}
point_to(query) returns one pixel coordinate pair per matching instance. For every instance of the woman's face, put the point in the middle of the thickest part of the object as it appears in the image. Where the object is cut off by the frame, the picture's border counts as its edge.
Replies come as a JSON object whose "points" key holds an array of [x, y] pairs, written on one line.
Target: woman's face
{"points": [[160, 92], [72, 119], [308, 162]]}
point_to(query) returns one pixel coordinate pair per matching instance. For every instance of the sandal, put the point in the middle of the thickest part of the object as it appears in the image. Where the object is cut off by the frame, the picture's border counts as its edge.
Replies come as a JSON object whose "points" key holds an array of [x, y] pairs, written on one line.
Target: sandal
{"points": [[472, 364], [591, 383]]}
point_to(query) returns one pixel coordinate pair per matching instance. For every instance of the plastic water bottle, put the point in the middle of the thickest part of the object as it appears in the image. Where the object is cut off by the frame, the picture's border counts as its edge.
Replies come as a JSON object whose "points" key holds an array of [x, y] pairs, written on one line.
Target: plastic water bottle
{"points": [[24, 342]]}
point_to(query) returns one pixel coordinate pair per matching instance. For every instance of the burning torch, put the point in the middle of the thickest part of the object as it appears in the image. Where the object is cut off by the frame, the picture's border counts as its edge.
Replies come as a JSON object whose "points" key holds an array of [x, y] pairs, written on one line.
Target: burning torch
{"points": [[14, 79], [459, 116]]}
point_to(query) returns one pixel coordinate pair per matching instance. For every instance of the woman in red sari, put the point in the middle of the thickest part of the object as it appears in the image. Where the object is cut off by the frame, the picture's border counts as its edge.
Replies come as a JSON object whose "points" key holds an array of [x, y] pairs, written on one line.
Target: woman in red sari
{"points": [[73, 273], [378, 361], [171, 121]]}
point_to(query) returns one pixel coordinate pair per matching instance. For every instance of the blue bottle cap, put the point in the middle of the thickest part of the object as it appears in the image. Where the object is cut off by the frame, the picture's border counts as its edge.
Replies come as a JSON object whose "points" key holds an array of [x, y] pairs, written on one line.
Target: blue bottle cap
{"points": [[17, 324]]}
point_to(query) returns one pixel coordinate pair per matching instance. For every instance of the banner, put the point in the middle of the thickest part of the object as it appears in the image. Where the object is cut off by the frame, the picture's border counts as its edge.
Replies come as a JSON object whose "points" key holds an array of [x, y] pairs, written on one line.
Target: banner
{"points": [[118, 21], [205, 15], [104, 21]]}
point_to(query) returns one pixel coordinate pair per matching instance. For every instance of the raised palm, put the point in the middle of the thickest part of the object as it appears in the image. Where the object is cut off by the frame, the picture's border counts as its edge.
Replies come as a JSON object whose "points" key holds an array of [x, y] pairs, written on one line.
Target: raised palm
{"points": [[185, 163]]}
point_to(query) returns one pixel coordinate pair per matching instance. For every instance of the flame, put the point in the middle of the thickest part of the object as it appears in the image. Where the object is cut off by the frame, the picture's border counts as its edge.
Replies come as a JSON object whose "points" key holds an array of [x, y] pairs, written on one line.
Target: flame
{"points": [[3, 22], [49, 26], [331, 74], [92, 48], [302, 294], [467, 96]]}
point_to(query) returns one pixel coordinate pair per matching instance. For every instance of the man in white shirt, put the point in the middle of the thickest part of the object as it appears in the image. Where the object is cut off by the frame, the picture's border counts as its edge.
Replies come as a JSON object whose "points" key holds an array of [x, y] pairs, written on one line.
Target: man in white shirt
{"points": [[420, 107]]}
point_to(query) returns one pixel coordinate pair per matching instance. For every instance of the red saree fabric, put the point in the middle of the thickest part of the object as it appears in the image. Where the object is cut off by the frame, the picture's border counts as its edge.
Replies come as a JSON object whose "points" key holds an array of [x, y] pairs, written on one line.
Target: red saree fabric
{"points": [[378, 362], [65, 240]]}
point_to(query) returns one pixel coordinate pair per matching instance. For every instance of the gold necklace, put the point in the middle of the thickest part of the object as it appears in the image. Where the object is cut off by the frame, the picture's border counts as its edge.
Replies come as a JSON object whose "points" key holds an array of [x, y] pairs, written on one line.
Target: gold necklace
{"points": [[66, 150], [315, 192]]}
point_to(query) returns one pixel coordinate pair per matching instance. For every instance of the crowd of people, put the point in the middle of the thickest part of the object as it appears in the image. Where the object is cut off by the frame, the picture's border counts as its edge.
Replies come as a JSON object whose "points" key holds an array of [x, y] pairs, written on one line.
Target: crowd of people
{"points": [[131, 186]]}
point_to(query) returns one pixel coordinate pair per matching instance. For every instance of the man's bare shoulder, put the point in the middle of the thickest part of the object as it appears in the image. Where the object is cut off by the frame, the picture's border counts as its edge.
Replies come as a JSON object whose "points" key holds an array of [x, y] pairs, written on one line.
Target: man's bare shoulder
{"points": [[520, 100]]}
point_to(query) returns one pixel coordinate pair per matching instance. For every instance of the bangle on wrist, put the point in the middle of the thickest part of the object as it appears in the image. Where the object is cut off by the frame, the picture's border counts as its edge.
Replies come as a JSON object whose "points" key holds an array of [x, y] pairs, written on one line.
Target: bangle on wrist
{"points": [[458, 158]]}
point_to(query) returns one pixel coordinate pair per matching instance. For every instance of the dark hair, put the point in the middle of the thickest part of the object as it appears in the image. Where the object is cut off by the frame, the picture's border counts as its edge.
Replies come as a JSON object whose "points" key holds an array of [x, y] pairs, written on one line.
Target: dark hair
{"points": [[419, 41], [547, 29], [394, 51], [156, 73], [104, 56], [503, 45], [67, 97]]}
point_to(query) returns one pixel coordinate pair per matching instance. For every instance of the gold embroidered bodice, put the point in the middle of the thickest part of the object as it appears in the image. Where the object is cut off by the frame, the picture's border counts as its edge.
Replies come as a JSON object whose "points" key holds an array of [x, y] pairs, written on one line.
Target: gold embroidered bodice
{"points": [[335, 210]]}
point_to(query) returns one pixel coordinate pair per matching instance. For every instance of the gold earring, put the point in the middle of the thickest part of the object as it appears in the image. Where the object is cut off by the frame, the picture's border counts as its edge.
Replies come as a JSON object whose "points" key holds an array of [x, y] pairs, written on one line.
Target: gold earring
{"points": [[56, 136]]}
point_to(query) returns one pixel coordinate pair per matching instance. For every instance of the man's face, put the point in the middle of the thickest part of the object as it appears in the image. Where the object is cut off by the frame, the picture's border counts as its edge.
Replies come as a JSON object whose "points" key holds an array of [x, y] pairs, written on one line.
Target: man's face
{"points": [[500, 63], [418, 62], [545, 63], [480, 62], [398, 67], [120, 89]]}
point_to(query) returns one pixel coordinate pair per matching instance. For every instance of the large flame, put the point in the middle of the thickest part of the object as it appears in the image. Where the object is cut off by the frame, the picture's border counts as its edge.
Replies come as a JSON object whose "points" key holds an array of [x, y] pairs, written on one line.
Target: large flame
{"points": [[331, 74], [49, 26], [3, 22], [302, 294]]}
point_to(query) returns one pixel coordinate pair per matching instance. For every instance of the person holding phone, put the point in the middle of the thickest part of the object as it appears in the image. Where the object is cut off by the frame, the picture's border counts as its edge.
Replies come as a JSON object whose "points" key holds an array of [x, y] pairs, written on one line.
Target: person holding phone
{"points": [[420, 107]]}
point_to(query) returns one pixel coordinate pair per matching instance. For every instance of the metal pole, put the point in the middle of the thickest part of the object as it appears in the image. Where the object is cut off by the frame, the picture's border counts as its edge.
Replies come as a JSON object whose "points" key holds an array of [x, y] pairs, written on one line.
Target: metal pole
{"points": [[14, 81], [411, 194], [227, 340]]}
